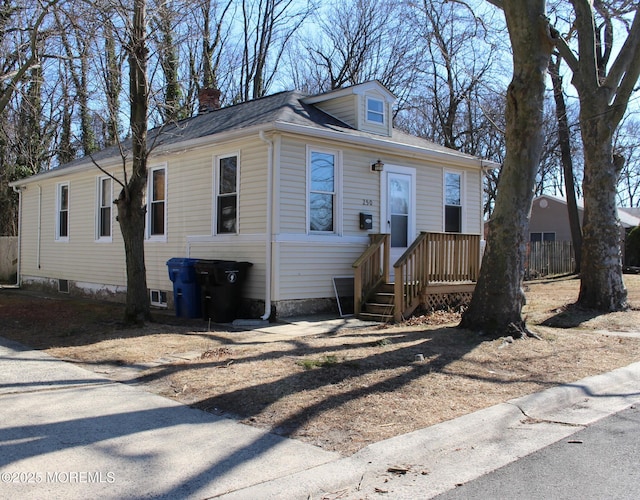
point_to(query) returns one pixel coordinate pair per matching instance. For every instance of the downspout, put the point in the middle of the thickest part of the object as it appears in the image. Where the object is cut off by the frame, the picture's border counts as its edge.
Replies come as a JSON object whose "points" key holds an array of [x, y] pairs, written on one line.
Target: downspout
{"points": [[269, 228], [19, 191], [39, 225], [483, 175]]}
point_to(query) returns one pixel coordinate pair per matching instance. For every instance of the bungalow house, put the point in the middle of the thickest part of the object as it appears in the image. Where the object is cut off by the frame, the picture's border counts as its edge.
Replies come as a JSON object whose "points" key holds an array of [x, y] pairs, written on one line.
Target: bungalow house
{"points": [[298, 185]]}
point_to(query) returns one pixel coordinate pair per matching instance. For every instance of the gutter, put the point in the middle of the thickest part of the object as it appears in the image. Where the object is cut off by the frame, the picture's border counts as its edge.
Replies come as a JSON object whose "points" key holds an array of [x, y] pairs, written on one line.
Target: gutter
{"points": [[269, 228], [449, 158]]}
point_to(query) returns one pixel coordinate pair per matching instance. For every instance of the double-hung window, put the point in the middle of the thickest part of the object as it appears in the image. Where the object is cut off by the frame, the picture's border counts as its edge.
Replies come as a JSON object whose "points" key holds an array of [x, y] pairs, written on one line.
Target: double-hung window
{"points": [[62, 212], [226, 202], [375, 110], [103, 209], [541, 236], [157, 203], [453, 202], [322, 172]]}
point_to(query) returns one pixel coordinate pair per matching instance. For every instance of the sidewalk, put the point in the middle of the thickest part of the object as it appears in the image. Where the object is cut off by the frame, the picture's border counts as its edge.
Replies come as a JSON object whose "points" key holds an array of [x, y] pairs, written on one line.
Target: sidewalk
{"points": [[68, 433]]}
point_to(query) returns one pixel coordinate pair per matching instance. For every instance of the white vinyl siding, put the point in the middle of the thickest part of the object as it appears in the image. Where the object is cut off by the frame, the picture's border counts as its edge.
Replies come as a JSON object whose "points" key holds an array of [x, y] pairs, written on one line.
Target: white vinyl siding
{"points": [[304, 263], [307, 268], [83, 259], [292, 179], [342, 108], [473, 202]]}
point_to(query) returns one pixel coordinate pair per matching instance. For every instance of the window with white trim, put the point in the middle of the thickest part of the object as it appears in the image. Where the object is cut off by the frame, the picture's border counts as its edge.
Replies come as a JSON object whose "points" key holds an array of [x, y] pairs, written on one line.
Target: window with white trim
{"points": [[323, 182], [62, 212], [157, 203], [375, 110], [103, 209], [453, 202], [226, 202]]}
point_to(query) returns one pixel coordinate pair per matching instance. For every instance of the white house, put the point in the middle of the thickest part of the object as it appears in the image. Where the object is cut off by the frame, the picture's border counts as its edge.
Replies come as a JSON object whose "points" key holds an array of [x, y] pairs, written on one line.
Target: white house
{"points": [[294, 184]]}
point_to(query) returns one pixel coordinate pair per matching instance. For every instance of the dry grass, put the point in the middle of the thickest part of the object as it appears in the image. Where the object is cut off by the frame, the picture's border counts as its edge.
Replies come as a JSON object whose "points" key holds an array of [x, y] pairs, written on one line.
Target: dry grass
{"points": [[342, 390]]}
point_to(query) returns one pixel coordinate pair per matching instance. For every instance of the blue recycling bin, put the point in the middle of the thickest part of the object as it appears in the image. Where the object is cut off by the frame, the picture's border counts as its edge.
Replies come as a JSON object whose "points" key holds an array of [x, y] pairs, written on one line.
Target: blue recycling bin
{"points": [[186, 289]]}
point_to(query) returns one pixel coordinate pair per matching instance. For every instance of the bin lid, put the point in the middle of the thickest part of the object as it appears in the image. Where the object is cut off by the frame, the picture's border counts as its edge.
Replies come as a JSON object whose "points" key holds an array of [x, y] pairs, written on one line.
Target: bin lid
{"points": [[181, 261]]}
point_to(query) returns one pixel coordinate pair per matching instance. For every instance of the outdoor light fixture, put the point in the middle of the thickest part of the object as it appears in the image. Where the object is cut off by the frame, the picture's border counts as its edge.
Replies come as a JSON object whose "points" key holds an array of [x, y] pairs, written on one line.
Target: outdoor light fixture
{"points": [[377, 166]]}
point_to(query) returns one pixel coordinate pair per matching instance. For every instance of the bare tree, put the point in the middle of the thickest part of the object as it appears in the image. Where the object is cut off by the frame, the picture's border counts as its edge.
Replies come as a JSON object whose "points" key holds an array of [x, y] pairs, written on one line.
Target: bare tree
{"points": [[24, 137], [496, 305], [76, 36], [460, 55], [604, 88], [564, 143], [130, 202], [112, 82], [357, 41], [267, 28]]}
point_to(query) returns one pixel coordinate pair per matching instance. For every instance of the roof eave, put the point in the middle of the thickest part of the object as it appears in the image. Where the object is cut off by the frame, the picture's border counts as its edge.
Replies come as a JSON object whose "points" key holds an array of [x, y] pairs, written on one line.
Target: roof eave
{"points": [[386, 144], [113, 161]]}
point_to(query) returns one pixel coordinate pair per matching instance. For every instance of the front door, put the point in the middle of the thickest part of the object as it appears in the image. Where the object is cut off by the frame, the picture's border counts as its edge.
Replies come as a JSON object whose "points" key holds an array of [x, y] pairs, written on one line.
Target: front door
{"points": [[399, 219]]}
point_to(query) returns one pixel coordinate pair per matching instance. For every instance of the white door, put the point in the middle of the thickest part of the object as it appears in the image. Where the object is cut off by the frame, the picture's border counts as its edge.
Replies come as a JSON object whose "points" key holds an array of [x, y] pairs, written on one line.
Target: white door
{"points": [[399, 206]]}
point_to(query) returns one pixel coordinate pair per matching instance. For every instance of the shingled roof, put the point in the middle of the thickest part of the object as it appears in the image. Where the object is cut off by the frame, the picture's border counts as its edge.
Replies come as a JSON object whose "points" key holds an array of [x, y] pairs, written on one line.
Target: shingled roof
{"points": [[282, 108]]}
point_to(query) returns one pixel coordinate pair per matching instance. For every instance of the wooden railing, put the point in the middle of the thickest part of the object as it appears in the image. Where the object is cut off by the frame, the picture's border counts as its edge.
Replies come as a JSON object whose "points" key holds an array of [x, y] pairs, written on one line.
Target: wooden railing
{"points": [[371, 269], [433, 257]]}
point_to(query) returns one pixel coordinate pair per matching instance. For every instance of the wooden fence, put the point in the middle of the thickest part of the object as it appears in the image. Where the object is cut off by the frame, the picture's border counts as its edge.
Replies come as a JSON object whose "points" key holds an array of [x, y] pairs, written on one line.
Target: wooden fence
{"points": [[548, 258]]}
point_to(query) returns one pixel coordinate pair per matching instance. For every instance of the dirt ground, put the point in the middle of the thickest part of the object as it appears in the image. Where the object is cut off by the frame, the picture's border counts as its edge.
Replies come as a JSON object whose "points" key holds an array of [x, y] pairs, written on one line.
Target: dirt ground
{"points": [[341, 390]]}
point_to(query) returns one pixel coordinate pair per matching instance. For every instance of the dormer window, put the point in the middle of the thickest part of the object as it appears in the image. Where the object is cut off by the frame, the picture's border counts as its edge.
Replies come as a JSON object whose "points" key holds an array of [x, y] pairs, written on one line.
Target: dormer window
{"points": [[375, 110]]}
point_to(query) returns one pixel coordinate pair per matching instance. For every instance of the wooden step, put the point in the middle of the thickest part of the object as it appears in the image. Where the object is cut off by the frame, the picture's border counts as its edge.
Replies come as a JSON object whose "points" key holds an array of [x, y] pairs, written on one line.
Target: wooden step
{"points": [[382, 298], [378, 308], [379, 318]]}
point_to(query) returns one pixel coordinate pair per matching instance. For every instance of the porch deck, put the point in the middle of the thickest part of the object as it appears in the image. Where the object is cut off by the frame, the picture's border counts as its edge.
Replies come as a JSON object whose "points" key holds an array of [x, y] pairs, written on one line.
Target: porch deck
{"points": [[437, 269]]}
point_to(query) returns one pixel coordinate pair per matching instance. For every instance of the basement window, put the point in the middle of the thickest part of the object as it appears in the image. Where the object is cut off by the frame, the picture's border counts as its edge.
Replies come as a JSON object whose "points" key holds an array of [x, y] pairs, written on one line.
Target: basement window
{"points": [[63, 286], [158, 298]]}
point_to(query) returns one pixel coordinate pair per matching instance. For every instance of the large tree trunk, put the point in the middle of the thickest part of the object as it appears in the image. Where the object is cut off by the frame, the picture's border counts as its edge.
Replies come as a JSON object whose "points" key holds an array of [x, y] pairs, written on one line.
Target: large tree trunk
{"points": [[496, 305], [601, 284], [604, 89], [131, 216], [131, 213]]}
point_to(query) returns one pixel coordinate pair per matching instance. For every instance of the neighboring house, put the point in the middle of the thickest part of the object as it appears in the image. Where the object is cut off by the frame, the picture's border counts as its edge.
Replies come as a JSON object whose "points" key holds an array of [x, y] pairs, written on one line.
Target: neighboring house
{"points": [[294, 184], [550, 220]]}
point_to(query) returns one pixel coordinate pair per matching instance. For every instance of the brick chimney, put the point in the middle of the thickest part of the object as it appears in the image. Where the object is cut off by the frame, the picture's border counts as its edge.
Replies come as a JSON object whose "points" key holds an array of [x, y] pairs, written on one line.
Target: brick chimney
{"points": [[209, 100]]}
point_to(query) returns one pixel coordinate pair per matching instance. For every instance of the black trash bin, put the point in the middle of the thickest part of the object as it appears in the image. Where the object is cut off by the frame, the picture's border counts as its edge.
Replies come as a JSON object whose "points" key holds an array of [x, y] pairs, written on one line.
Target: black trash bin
{"points": [[186, 292], [221, 287]]}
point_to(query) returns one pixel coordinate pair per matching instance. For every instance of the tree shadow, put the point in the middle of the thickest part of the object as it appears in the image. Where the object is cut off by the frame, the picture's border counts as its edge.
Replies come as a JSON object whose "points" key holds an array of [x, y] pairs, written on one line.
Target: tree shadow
{"points": [[571, 316]]}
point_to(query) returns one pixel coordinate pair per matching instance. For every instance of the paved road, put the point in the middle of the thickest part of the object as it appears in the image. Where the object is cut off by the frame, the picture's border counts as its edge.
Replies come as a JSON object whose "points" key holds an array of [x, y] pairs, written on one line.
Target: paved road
{"points": [[599, 462]]}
